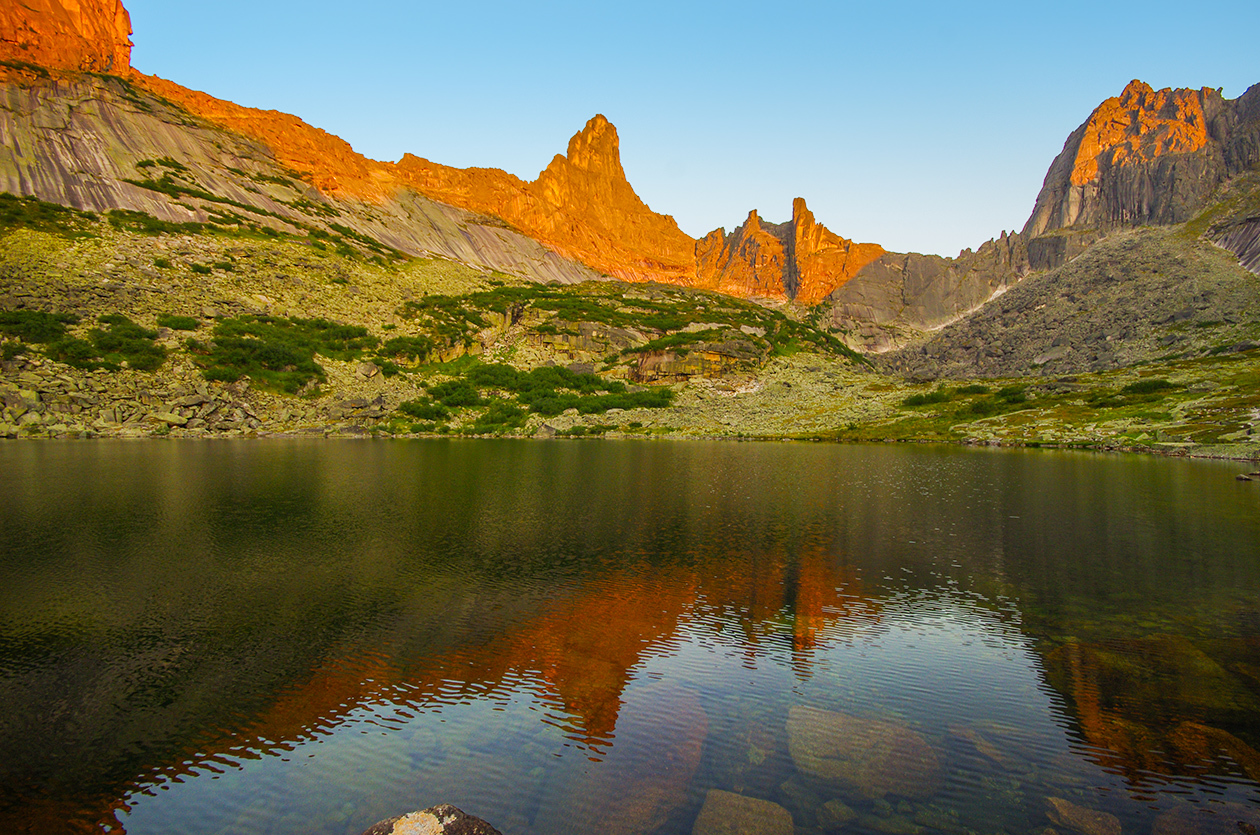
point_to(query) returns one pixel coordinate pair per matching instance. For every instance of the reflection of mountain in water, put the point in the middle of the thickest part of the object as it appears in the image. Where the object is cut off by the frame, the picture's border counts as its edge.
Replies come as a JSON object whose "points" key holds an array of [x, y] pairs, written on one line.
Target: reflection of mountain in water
{"points": [[212, 603]]}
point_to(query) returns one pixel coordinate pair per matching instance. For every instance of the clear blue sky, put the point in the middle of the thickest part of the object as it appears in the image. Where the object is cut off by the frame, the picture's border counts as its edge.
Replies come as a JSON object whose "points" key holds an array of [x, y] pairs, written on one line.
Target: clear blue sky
{"points": [[922, 126]]}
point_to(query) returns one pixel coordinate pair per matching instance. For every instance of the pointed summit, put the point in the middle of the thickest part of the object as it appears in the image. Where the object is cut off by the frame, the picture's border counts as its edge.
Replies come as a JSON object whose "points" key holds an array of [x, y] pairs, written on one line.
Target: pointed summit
{"points": [[595, 148]]}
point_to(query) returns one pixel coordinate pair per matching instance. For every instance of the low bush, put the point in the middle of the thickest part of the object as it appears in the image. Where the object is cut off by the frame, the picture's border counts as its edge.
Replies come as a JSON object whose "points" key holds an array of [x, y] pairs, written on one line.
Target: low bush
{"points": [[177, 323], [1148, 386], [941, 395], [278, 353], [35, 326], [424, 409]]}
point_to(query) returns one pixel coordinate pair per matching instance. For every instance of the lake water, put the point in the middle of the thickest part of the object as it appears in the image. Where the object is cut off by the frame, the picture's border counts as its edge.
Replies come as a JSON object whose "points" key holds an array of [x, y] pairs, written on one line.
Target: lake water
{"points": [[307, 637]]}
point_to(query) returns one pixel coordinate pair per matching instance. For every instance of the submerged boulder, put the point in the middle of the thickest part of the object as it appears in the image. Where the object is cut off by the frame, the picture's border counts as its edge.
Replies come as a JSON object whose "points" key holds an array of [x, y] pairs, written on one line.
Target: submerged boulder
{"points": [[727, 813], [1067, 814], [869, 756]]}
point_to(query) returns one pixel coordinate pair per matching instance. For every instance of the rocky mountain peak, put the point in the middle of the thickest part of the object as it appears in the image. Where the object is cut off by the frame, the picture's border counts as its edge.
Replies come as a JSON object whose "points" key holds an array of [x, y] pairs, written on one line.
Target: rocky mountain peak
{"points": [[75, 35], [595, 148], [1139, 125], [800, 260]]}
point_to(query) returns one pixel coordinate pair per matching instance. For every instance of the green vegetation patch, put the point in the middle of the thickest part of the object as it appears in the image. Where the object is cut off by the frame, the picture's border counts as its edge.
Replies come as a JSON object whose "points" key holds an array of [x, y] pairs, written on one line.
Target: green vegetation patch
{"points": [[121, 342], [50, 218], [178, 323], [669, 313], [277, 353], [35, 326]]}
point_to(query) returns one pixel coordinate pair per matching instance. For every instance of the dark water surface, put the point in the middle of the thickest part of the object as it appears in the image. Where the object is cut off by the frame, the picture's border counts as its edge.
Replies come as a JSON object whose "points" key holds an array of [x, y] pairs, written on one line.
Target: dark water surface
{"points": [[307, 637]]}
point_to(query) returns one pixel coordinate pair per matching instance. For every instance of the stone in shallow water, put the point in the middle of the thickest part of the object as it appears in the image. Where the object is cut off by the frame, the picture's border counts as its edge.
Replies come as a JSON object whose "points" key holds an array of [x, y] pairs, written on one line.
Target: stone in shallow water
{"points": [[834, 814], [644, 778], [726, 813], [1219, 819], [871, 756], [436, 820], [1080, 819]]}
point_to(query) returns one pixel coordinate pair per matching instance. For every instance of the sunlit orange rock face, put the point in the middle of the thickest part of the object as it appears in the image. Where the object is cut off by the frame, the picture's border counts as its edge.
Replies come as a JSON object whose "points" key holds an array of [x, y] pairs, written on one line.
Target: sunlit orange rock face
{"points": [[800, 259], [581, 205], [1139, 125], [80, 35]]}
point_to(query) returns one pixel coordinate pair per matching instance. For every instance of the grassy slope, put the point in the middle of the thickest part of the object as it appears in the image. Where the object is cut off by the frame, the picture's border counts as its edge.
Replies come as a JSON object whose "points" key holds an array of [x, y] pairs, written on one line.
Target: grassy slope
{"points": [[790, 382]]}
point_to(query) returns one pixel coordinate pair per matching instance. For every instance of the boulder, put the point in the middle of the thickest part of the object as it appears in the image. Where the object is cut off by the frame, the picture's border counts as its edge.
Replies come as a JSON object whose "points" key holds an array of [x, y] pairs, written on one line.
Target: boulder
{"points": [[869, 756], [726, 813], [436, 820], [1067, 814]]}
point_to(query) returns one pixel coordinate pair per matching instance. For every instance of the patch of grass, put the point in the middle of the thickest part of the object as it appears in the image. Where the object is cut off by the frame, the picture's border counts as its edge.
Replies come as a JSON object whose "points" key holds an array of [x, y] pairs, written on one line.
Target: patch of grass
{"points": [[940, 395], [201, 269], [1149, 386], [424, 409], [177, 323], [278, 353], [974, 388], [35, 326], [50, 218]]}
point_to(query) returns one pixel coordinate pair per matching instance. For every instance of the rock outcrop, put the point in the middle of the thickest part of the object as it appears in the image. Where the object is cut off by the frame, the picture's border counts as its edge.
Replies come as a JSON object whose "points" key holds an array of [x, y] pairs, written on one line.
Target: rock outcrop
{"points": [[581, 205], [800, 260], [437, 820], [76, 35], [1147, 157]]}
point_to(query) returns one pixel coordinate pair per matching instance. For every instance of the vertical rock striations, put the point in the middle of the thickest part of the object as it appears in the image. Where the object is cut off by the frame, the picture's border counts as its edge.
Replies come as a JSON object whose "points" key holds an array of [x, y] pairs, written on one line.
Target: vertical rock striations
{"points": [[76, 35], [1145, 157]]}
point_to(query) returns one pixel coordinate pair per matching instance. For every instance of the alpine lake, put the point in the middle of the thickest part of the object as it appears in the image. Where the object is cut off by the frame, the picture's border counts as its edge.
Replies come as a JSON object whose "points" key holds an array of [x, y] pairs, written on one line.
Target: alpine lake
{"points": [[300, 636]]}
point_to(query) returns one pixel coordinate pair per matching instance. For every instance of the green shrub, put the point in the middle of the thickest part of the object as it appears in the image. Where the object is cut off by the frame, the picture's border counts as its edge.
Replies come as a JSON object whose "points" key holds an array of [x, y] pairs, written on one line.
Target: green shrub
{"points": [[74, 351], [501, 415], [278, 353], [457, 394], [35, 325], [125, 340], [1015, 393], [974, 388], [201, 269], [146, 224], [162, 263], [1148, 386], [941, 395], [409, 347], [177, 323], [424, 409], [983, 408], [33, 213]]}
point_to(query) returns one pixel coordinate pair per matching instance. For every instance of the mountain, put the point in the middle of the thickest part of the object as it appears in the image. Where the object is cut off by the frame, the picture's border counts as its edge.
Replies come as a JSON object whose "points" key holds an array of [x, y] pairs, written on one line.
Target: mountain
{"points": [[175, 263], [581, 206], [91, 36], [1142, 159], [801, 259]]}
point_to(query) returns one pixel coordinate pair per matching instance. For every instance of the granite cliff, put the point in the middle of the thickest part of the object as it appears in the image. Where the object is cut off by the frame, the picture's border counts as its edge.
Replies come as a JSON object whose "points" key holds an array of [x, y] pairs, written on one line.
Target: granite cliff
{"points": [[91, 36], [1143, 158], [581, 207], [800, 260]]}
